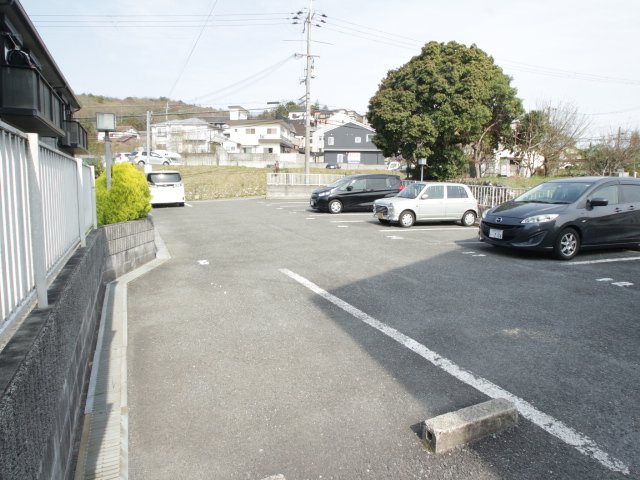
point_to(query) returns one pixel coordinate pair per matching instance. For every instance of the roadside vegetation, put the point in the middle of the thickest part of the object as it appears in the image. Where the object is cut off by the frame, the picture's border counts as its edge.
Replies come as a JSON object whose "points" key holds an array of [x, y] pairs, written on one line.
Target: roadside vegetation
{"points": [[211, 182]]}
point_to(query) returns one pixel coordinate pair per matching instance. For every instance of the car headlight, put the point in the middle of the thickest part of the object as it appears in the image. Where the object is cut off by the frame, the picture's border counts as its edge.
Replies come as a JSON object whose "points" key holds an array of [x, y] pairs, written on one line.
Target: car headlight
{"points": [[324, 194], [541, 218], [390, 207]]}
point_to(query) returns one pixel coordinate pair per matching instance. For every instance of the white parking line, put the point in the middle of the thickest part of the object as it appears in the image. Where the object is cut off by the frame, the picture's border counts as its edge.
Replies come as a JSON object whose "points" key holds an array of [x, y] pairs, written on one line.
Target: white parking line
{"points": [[428, 229], [608, 260], [347, 221], [555, 427]]}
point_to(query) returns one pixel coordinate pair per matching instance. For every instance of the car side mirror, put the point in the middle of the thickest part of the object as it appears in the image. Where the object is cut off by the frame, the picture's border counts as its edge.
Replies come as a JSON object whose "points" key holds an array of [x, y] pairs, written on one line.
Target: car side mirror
{"points": [[598, 202], [349, 188], [424, 197]]}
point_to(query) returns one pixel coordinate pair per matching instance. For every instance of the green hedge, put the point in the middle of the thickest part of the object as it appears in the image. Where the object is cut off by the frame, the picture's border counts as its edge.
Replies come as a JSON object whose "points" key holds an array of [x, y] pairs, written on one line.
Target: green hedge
{"points": [[127, 199]]}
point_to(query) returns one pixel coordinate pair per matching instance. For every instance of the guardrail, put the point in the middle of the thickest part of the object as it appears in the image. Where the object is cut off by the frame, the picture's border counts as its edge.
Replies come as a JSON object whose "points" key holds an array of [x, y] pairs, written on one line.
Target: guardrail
{"points": [[47, 206]]}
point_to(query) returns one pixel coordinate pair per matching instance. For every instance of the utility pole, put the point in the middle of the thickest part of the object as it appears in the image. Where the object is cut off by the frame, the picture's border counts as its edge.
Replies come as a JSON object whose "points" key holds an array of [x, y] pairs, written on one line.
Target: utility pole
{"points": [[307, 84], [148, 135]]}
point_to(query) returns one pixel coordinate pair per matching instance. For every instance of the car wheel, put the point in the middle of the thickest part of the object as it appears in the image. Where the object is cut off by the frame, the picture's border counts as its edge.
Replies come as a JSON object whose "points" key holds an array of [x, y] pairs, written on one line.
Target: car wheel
{"points": [[335, 206], [141, 163], [469, 218], [406, 219], [166, 164], [567, 244]]}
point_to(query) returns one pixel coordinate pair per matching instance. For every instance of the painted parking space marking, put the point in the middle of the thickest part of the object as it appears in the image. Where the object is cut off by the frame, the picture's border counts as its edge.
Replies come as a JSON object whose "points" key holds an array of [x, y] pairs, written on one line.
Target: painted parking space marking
{"points": [[395, 237], [348, 221], [612, 282], [557, 428], [606, 260], [474, 254], [427, 229]]}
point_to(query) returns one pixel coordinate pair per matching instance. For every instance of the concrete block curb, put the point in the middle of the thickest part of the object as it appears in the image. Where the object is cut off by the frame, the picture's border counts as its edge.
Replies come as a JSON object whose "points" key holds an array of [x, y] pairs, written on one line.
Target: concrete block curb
{"points": [[444, 432]]}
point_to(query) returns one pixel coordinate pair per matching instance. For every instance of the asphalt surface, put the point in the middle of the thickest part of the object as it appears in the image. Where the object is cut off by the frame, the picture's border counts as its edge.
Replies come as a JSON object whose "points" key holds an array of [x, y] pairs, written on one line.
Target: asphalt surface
{"points": [[236, 370]]}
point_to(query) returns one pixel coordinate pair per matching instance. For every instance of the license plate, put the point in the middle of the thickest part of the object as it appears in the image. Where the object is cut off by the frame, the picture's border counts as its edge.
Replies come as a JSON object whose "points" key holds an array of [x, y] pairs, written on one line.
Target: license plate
{"points": [[495, 233]]}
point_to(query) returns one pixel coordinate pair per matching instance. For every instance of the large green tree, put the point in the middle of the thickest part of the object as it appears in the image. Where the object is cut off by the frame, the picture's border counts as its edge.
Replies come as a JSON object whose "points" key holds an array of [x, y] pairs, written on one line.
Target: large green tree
{"points": [[451, 104]]}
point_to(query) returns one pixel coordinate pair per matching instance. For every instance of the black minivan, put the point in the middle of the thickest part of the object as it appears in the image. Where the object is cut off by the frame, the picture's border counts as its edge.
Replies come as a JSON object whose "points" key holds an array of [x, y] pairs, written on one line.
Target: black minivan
{"points": [[355, 192], [568, 214]]}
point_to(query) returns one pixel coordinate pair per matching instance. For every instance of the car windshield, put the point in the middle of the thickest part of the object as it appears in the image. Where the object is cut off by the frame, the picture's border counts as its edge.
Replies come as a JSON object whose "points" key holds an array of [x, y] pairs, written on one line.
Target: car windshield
{"points": [[554, 192], [411, 191]]}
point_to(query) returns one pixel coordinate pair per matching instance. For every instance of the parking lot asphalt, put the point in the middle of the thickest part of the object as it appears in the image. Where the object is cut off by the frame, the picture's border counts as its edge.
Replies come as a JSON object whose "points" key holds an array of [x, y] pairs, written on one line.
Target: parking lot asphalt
{"points": [[281, 341]]}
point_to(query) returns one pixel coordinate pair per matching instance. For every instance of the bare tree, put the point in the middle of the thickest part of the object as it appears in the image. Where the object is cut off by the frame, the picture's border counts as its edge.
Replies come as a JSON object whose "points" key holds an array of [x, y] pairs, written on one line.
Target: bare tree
{"points": [[566, 126], [612, 153], [547, 137]]}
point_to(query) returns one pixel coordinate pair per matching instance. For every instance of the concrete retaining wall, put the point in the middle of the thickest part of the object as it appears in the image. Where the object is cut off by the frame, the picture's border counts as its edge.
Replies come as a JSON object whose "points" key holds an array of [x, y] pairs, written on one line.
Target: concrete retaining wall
{"points": [[291, 192], [44, 368], [130, 244]]}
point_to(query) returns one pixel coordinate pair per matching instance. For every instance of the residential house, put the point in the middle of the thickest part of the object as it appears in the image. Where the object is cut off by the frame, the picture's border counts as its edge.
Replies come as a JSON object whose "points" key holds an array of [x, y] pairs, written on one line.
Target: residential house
{"points": [[337, 118], [191, 135], [35, 97], [262, 136], [123, 134], [351, 143], [327, 117], [506, 163]]}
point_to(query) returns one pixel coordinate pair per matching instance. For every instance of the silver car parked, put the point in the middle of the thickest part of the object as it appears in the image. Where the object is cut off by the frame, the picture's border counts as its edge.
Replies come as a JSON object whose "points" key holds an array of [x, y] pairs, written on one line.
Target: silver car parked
{"points": [[428, 201]]}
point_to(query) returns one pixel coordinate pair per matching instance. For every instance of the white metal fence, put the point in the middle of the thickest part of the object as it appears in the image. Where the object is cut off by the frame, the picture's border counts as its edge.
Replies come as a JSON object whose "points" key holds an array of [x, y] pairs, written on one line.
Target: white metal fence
{"points": [[301, 179], [487, 196], [47, 205], [490, 196]]}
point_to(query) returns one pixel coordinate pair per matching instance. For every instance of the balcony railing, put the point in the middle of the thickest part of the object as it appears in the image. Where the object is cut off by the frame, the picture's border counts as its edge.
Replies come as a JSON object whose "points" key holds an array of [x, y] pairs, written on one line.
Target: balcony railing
{"points": [[75, 139], [28, 101]]}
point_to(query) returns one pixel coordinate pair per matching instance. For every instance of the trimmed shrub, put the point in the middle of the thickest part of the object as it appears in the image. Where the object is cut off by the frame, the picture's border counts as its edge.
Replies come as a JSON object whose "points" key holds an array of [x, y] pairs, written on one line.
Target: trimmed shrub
{"points": [[127, 199]]}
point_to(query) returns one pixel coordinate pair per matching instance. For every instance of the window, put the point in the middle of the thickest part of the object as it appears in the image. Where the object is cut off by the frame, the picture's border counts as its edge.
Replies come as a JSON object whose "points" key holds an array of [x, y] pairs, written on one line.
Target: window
{"points": [[360, 184], [377, 183], [370, 137], [631, 193], [456, 191], [358, 139], [610, 193], [435, 192], [250, 131], [272, 131], [330, 140]]}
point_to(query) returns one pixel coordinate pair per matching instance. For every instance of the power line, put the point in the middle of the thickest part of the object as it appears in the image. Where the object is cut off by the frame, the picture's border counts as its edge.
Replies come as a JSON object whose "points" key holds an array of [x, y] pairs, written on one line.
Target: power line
{"points": [[195, 44], [247, 81]]}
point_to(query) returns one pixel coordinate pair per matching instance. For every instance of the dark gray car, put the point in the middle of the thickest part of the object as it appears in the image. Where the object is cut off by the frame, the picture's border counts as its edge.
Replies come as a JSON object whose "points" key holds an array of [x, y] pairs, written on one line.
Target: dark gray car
{"points": [[566, 215]]}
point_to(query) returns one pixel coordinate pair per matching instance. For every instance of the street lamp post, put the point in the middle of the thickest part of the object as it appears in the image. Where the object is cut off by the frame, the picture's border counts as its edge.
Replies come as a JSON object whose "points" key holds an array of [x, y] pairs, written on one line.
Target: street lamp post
{"points": [[106, 122]]}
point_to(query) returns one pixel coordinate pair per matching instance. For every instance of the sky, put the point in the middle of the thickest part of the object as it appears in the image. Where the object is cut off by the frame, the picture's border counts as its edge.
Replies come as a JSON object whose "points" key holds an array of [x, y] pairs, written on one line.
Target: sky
{"points": [[568, 54]]}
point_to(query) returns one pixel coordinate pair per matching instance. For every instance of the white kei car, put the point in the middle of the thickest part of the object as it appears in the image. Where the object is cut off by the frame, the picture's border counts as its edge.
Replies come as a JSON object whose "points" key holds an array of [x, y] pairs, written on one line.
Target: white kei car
{"points": [[428, 201]]}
